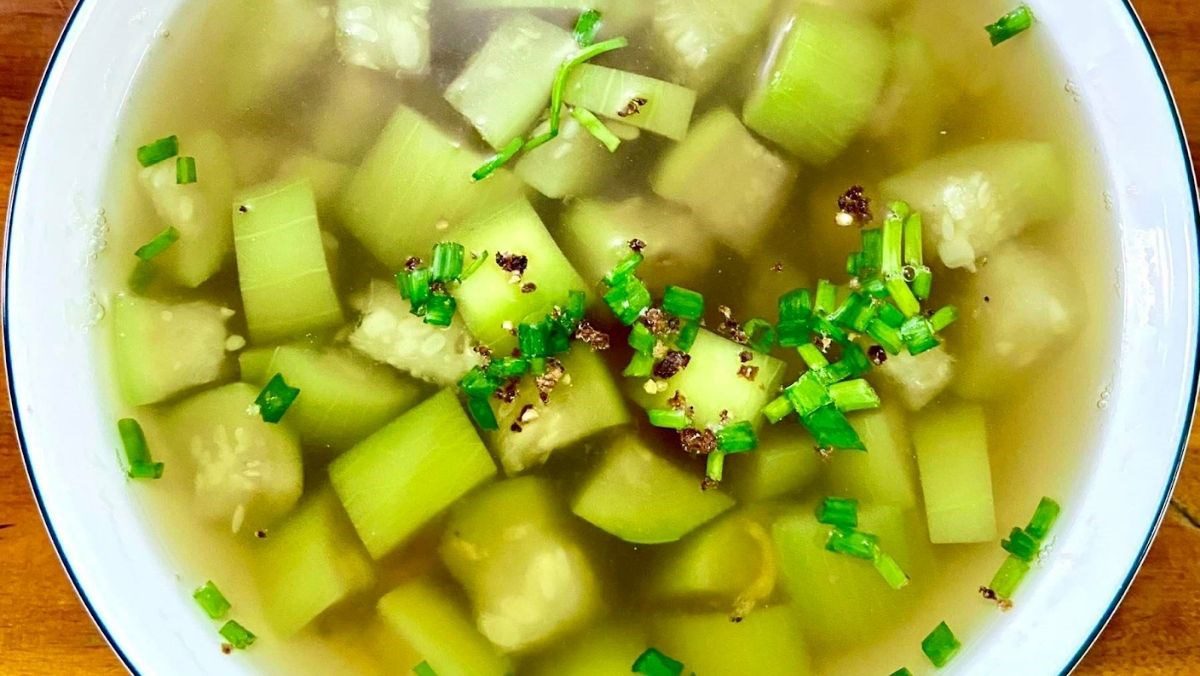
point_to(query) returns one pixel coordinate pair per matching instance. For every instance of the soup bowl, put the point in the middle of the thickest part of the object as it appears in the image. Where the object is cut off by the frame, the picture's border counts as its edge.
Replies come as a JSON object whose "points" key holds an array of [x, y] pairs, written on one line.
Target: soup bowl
{"points": [[57, 226]]}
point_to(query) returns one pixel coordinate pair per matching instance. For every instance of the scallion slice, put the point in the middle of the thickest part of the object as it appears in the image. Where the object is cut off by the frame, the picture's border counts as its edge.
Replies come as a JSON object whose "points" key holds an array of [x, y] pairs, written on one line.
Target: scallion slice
{"points": [[448, 258], [1043, 518], [778, 409], [654, 663], [854, 395], [831, 429], [917, 334], [139, 463], [1010, 25], [891, 571], [902, 671], [943, 318], [738, 437], [238, 636], [715, 466], [795, 306], [185, 170], [506, 368], [481, 412], [887, 337], [531, 340], [212, 601], [627, 266], [423, 669], [1009, 576], [683, 303], [1021, 545], [640, 366], [161, 242], [641, 339], [940, 645], [477, 262], [852, 543], [808, 393], [587, 27], [498, 160], [668, 418], [440, 309], [594, 126], [275, 399], [842, 512], [478, 383], [687, 336], [558, 91], [158, 151], [826, 298], [812, 356], [628, 300], [415, 287], [760, 334]]}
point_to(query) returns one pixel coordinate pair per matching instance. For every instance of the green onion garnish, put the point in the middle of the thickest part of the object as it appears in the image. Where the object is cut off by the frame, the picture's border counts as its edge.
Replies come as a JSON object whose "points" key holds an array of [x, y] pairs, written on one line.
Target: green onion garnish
{"points": [[212, 601], [477, 262], [917, 334], [890, 570], [854, 395], [587, 27], [1010, 25], [448, 260], [831, 429], [715, 466], [142, 277], [795, 306], [826, 298], [238, 636], [642, 339], [1043, 518], [628, 300], [760, 334], [499, 159], [1021, 545], [791, 333], [902, 671], [139, 464], [481, 412], [558, 91], [808, 393], [940, 645], [440, 309], [478, 383], [161, 242], [625, 267], [887, 337], [668, 418], [683, 303], [737, 437], [596, 128], [687, 335], [655, 663], [778, 409], [812, 356], [855, 313], [943, 318], [531, 340], [162, 149], [185, 170], [423, 669], [853, 543], [640, 366], [1009, 576], [275, 399], [842, 512], [506, 368], [414, 287]]}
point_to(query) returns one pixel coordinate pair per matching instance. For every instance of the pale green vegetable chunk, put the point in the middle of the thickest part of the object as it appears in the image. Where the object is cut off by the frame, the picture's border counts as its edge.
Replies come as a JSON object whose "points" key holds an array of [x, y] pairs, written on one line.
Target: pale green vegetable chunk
{"points": [[643, 498], [821, 83], [767, 642], [956, 477], [573, 165], [887, 472], [308, 563], [343, 397], [701, 39], [414, 187], [975, 199], [520, 526], [506, 84], [432, 622], [727, 178], [712, 385], [284, 279], [162, 349], [248, 473], [385, 35], [918, 380], [584, 404], [637, 100], [199, 211], [605, 650], [396, 480], [785, 463]]}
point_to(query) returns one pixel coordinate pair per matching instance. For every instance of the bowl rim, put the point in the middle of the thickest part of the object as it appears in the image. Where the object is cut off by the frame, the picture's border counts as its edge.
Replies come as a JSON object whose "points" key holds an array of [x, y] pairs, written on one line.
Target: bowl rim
{"points": [[1103, 621]]}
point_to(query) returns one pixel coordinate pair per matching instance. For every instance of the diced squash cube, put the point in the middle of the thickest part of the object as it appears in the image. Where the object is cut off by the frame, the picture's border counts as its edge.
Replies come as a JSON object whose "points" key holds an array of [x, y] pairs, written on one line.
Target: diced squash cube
{"points": [[285, 282], [160, 349], [385, 35], [415, 177], [308, 563], [767, 642], [918, 380], [821, 83], [644, 498], [396, 480], [727, 178], [643, 102], [438, 628], [701, 39], [785, 463], [956, 476], [887, 472]]}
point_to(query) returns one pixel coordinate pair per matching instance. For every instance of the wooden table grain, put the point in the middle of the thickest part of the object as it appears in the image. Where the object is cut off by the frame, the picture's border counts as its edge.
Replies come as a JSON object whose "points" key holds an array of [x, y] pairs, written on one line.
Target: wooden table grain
{"points": [[44, 629]]}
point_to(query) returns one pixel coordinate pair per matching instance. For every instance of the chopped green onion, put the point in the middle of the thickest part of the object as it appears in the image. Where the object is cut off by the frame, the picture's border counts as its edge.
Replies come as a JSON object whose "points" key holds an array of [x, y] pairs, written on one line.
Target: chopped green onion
{"points": [[448, 260], [1009, 576], [477, 262], [537, 365], [891, 316], [640, 366], [893, 243], [778, 409], [576, 305], [627, 266], [481, 412], [587, 27], [795, 306], [854, 395], [760, 334], [683, 303], [854, 363], [792, 333], [687, 336], [628, 300], [478, 383], [1010, 25], [642, 339], [415, 287], [668, 418], [539, 140], [440, 309], [855, 313], [137, 452], [914, 245], [738, 437], [655, 663], [506, 368], [212, 601], [922, 284], [596, 128], [917, 334], [891, 571], [940, 645], [715, 466], [852, 543], [531, 340], [871, 257], [1043, 518], [943, 318], [185, 170], [812, 356], [826, 298], [161, 242], [275, 399], [558, 91], [499, 159], [842, 512], [902, 295], [238, 636], [887, 337], [808, 393], [1021, 545], [831, 429], [423, 669], [142, 276], [162, 149], [902, 671], [875, 288]]}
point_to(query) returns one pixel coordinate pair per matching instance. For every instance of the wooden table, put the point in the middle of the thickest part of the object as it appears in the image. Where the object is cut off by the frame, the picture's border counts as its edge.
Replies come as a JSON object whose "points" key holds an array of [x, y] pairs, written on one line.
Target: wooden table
{"points": [[44, 629]]}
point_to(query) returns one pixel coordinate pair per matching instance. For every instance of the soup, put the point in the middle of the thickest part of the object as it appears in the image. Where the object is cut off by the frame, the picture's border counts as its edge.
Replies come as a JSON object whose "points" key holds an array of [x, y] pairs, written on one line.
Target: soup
{"points": [[495, 336]]}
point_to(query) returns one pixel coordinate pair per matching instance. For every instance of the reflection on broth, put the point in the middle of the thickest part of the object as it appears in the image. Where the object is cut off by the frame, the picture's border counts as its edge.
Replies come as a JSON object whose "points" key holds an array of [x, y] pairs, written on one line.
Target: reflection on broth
{"points": [[502, 336]]}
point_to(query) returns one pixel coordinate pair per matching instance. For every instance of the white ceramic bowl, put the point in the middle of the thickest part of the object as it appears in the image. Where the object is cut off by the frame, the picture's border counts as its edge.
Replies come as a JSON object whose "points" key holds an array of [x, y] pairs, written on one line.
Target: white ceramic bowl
{"points": [[145, 612]]}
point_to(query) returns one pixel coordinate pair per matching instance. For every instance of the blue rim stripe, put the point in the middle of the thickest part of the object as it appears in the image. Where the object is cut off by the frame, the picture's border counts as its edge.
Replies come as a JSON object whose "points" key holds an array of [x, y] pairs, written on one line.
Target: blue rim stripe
{"points": [[125, 660]]}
